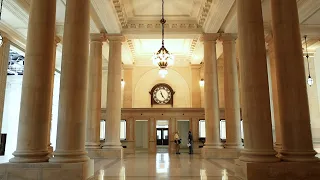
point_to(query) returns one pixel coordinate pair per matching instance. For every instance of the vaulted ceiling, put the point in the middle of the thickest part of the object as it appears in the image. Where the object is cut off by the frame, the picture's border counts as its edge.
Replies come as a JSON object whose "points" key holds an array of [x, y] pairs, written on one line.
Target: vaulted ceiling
{"points": [[138, 20]]}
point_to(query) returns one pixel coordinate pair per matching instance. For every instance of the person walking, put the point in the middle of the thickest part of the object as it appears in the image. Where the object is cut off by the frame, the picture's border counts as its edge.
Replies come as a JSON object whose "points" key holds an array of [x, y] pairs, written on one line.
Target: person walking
{"points": [[177, 140], [190, 142]]}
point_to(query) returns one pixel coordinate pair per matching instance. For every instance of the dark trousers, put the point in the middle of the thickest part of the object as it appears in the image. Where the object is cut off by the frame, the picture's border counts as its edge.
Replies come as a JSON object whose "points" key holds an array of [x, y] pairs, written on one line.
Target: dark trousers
{"points": [[191, 148]]}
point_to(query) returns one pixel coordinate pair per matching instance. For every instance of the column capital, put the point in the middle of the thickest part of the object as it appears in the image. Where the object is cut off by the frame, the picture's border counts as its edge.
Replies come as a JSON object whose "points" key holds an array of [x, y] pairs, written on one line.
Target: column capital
{"points": [[127, 66], [116, 37], [98, 37], [228, 37], [195, 66], [210, 37]]}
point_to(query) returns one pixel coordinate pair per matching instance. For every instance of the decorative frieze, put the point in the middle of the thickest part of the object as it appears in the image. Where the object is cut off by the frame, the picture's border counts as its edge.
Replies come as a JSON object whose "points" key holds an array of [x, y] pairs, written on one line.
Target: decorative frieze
{"points": [[204, 11], [121, 12]]}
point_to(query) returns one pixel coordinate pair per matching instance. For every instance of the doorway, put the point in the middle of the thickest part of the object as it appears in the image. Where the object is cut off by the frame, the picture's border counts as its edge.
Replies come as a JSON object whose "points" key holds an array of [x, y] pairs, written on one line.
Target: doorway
{"points": [[162, 136], [162, 130]]}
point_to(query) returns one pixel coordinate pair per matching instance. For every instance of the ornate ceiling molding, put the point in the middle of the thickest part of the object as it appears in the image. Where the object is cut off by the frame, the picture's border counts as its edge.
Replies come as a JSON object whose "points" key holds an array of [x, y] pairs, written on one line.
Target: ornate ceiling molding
{"points": [[217, 14], [192, 47], [204, 11], [121, 12], [131, 47], [157, 25]]}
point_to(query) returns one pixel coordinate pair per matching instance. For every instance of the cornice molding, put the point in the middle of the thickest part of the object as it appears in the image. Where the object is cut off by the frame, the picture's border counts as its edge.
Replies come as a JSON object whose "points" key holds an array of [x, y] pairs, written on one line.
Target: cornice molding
{"points": [[157, 25], [193, 47], [121, 12], [204, 11], [131, 47], [217, 14]]}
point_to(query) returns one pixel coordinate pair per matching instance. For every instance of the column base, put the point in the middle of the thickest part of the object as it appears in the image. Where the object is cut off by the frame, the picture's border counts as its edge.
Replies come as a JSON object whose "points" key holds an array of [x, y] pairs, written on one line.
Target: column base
{"points": [[29, 156], [47, 171], [258, 156], [128, 146], [277, 171], [308, 156], [210, 153], [50, 151], [61, 156], [112, 153], [92, 145], [108, 145], [233, 145], [277, 146]]}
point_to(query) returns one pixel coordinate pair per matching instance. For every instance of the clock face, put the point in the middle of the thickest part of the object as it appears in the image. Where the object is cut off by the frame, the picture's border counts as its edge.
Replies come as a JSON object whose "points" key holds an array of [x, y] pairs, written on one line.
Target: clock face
{"points": [[162, 95]]}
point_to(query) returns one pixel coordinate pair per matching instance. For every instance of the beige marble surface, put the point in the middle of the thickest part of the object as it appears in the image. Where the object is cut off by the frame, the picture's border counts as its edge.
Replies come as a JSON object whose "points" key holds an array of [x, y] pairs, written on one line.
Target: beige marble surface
{"points": [[164, 166]]}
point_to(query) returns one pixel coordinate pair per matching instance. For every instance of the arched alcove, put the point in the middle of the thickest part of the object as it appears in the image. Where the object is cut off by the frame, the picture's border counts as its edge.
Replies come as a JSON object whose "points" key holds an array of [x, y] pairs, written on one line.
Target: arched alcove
{"points": [[141, 96]]}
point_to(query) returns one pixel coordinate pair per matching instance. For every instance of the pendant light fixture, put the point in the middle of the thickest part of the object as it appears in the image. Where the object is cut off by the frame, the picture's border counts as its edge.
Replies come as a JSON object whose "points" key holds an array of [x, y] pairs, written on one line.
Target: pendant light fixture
{"points": [[162, 58], [309, 80]]}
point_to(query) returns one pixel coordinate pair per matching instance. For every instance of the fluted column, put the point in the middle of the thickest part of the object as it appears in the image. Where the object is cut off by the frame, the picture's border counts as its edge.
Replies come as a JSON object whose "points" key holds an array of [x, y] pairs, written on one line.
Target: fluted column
{"points": [[94, 91], [4, 56], [231, 92], [211, 93], [73, 85], [291, 82], [37, 86], [114, 93], [274, 90], [173, 128], [258, 143], [56, 41]]}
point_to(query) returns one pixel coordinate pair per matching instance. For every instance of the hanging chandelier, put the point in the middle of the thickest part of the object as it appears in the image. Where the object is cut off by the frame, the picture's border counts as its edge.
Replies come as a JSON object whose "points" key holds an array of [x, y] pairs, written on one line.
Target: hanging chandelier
{"points": [[310, 80], [162, 58]]}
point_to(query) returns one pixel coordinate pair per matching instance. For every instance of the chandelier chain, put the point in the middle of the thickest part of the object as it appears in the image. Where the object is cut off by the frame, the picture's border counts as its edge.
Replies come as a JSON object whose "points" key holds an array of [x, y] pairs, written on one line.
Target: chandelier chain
{"points": [[162, 21], [307, 56]]}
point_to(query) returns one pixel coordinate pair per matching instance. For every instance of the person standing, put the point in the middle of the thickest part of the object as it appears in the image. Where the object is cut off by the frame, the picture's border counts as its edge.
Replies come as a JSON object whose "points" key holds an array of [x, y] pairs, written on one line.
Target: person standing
{"points": [[190, 142], [177, 140]]}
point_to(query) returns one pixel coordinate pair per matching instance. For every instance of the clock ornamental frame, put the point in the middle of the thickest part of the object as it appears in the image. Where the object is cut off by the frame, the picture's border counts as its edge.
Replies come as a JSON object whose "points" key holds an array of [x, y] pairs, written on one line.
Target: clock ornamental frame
{"points": [[161, 86]]}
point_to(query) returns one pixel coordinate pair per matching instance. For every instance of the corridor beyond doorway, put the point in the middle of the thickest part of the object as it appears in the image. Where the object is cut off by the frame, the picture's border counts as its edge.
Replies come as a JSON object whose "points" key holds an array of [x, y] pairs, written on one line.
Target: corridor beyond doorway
{"points": [[162, 127]]}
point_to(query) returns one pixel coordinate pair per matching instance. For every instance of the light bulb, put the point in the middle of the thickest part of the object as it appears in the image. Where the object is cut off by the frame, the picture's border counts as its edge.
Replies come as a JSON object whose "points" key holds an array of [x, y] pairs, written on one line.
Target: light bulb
{"points": [[310, 81], [201, 82]]}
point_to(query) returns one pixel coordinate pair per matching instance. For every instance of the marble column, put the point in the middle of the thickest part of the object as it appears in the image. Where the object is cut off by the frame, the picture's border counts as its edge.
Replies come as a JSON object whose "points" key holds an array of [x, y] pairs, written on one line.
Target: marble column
{"points": [[114, 93], [274, 92], [127, 92], [293, 99], [4, 56], [196, 91], [70, 146], [56, 41], [94, 92], [231, 92], [37, 86], [152, 145], [211, 93], [258, 142]]}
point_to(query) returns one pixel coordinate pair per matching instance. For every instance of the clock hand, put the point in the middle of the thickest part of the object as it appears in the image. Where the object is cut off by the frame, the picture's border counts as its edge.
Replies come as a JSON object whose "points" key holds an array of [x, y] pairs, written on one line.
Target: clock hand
{"points": [[162, 95]]}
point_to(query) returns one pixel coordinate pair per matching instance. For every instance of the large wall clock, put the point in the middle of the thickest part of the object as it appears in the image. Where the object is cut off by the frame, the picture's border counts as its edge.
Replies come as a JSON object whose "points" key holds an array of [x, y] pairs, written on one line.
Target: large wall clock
{"points": [[162, 94]]}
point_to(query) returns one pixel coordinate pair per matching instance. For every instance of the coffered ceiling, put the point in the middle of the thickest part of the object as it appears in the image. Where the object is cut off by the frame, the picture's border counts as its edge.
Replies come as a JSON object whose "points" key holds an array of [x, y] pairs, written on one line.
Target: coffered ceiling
{"points": [[138, 20]]}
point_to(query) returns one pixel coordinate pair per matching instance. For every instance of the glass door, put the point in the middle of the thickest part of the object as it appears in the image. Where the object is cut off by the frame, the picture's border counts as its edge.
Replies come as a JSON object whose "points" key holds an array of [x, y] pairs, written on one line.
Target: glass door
{"points": [[162, 136]]}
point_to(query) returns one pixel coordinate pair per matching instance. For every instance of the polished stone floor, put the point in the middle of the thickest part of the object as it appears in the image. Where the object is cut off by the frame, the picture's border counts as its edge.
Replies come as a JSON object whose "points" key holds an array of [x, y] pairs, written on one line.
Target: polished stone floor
{"points": [[141, 166]]}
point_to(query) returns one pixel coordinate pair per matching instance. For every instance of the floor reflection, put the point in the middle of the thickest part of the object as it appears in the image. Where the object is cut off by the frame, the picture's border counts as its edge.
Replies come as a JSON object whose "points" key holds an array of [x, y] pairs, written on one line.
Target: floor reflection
{"points": [[141, 166], [162, 163]]}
